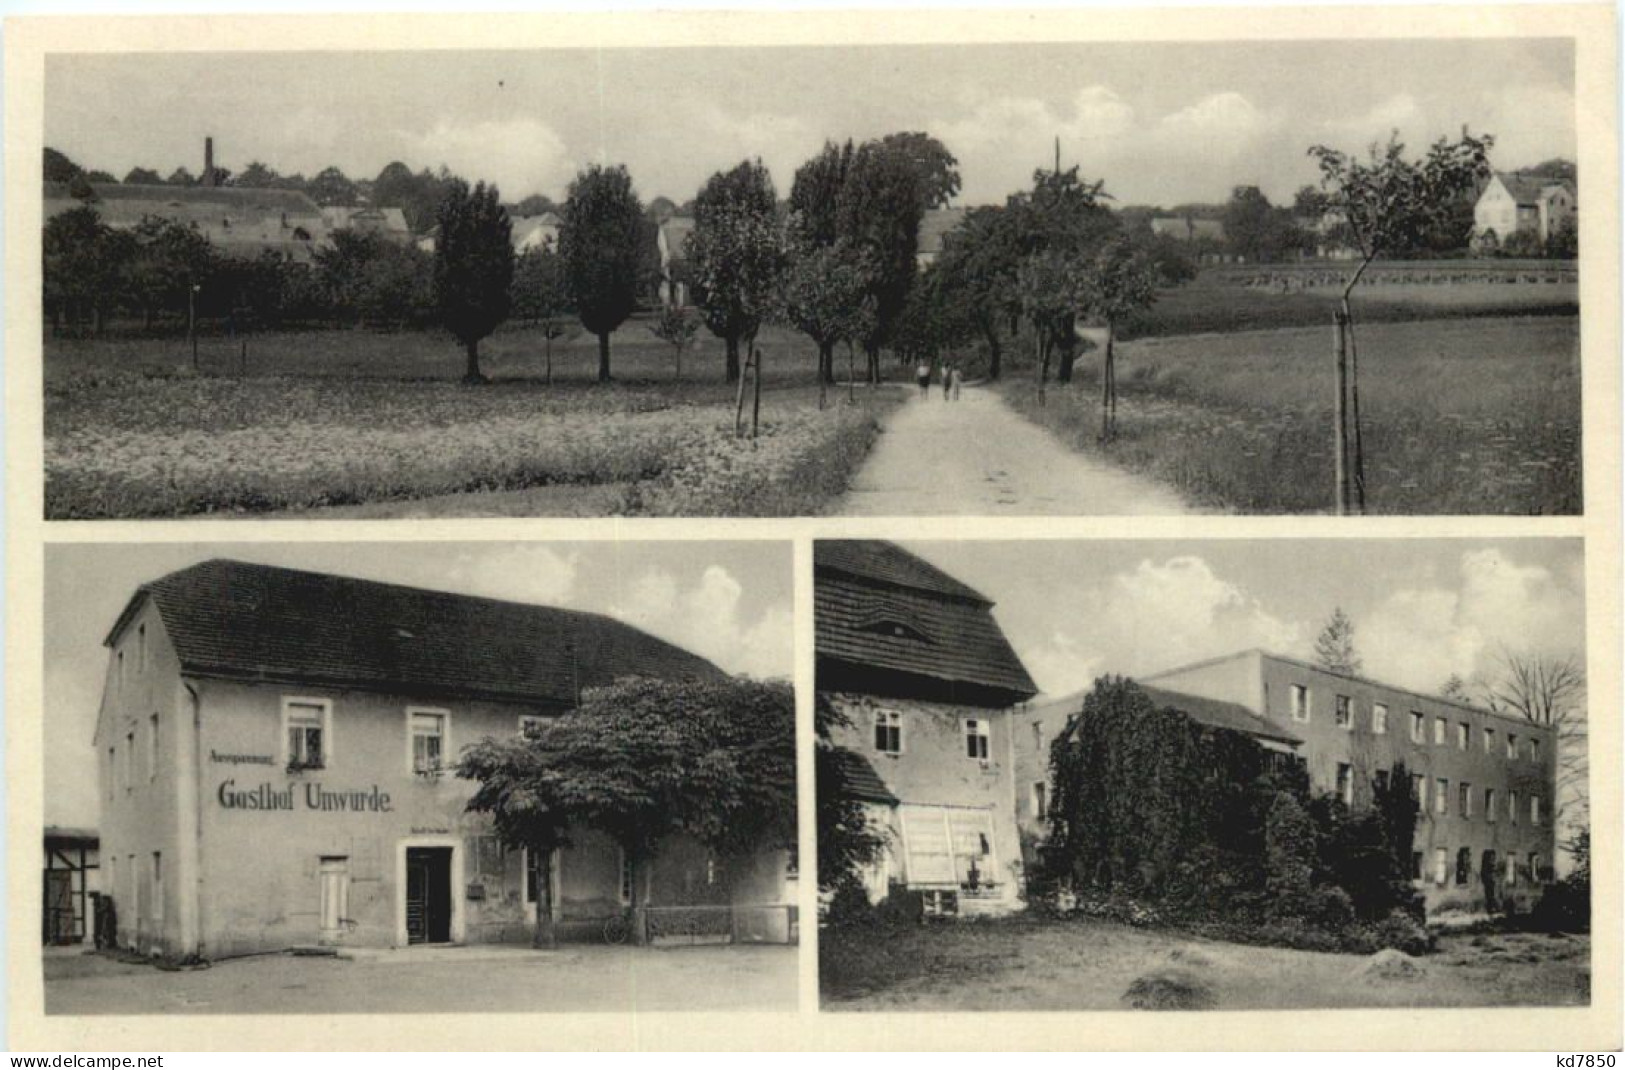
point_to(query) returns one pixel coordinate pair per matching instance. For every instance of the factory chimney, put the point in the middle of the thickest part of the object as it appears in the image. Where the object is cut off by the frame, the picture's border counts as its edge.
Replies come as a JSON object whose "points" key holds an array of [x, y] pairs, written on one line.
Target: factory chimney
{"points": [[208, 162]]}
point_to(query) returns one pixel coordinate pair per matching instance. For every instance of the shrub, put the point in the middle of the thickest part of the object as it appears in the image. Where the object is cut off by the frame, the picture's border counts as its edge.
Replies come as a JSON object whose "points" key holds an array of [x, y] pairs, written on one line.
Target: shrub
{"points": [[849, 905], [1402, 932], [1170, 990]]}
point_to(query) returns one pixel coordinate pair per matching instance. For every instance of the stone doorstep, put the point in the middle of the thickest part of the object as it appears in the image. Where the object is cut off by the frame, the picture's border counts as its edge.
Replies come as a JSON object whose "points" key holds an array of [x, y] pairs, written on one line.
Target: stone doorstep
{"points": [[449, 954]]}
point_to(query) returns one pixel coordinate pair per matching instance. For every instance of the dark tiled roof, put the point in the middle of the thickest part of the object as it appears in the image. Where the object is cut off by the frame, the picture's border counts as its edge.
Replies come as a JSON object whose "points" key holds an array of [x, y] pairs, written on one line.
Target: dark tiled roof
{"points": [[1218, 714], [949, 635], [860, 779], [888, 563], [245, 621]]}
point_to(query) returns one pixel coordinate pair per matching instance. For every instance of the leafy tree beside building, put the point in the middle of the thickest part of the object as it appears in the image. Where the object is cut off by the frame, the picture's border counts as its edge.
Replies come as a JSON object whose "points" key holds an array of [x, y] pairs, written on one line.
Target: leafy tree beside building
{"points": [[645, 760]]}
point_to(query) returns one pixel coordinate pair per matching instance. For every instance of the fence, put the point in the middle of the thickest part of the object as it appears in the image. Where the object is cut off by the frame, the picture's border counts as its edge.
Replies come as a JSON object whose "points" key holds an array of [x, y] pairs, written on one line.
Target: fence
{"points": [[694, 925]]}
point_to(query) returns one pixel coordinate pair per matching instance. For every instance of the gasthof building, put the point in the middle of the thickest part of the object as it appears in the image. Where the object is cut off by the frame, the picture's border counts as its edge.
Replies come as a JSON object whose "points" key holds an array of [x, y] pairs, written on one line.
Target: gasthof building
{"points": [[273, 748]]}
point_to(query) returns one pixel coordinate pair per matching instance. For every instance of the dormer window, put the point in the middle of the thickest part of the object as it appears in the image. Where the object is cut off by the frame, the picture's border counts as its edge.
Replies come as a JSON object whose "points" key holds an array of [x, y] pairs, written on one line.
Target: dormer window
{"points": [[897, 629]]}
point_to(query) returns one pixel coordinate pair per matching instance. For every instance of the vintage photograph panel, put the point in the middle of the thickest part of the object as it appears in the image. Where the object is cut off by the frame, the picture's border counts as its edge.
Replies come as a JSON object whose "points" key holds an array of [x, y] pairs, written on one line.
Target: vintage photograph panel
{"points": [[1221, 774], [419, 777], [885, 280]]}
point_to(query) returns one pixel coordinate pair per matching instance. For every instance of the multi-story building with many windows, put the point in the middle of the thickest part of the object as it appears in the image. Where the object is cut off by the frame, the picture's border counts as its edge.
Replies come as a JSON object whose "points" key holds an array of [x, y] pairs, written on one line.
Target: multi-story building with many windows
{"points": [[274, 748], [1485, 781]]}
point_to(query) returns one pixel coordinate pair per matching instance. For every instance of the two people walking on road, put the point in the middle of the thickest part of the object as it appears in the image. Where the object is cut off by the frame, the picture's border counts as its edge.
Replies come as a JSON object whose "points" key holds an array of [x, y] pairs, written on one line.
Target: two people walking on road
{"points": [[952, 378]]}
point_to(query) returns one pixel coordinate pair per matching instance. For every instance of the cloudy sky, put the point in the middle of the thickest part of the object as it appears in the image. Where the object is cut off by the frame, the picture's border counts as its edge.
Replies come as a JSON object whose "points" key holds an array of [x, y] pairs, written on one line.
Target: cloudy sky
{"points": [[730, 602], [1161, 123], [1422, 609]]}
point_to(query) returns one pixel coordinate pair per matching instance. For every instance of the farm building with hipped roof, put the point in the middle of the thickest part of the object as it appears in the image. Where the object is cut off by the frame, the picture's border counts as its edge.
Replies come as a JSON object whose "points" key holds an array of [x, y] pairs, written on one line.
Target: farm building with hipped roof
{"points": [[924, 680], [273, 744]]}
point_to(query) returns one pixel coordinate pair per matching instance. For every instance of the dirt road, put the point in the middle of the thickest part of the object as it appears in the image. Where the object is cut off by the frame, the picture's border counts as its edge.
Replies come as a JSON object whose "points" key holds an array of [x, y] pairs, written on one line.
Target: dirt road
{"points": [[977, 457]]}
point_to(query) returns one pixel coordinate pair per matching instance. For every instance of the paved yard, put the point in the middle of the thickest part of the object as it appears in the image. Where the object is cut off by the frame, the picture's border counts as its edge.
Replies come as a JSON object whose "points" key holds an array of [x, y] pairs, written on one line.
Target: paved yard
{"points": [[1037, 964], [435, 980]]}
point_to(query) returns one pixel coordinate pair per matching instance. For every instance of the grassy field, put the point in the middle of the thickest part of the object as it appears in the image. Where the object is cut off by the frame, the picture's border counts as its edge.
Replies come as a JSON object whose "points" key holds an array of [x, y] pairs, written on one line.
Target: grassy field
{"points": [[1029, 963], [377, 422], [1460, 416], [1213, 304]]}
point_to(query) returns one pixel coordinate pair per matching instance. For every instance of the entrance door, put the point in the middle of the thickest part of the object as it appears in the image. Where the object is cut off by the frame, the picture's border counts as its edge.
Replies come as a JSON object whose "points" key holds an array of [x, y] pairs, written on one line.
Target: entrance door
{"points": [[59, 913], [335, 909], [428, 895]]}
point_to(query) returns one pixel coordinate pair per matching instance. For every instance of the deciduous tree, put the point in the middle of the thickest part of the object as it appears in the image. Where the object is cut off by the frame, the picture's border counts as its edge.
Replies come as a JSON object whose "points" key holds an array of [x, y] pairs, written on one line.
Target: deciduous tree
{"points": [[643, 760], [1388, 203], [676, 326], [1117, 281], [735, 255], [601, 244], [473, 267]]}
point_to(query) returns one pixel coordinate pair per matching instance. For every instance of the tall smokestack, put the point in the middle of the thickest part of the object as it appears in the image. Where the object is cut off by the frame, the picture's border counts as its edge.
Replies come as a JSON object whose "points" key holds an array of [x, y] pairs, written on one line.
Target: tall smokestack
{"points": [[208, 162]]}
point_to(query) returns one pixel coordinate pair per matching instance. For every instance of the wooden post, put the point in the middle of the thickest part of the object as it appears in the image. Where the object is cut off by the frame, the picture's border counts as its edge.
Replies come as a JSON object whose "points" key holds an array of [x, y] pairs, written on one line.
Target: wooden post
{"points": [[1340, 411], [191, 321], [756, 401], [739, 400]]}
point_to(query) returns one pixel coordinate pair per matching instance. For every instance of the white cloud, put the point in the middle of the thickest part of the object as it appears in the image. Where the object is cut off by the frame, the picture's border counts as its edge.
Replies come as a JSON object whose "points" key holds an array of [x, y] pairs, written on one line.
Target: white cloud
{"points": [[521, 155], [1400, 112], [536, 574], [706, 619], [1157, 615], [1420, 636]]}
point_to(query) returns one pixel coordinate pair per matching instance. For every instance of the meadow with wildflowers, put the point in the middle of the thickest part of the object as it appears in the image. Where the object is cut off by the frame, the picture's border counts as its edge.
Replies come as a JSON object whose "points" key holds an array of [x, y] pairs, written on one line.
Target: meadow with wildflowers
{"points": [[1468, 416], [335, 419]]}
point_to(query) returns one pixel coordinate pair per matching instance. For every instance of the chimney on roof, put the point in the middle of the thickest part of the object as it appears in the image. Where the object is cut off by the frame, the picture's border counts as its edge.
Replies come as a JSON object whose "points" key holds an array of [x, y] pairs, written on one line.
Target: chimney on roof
{"points": [[208, 162]]}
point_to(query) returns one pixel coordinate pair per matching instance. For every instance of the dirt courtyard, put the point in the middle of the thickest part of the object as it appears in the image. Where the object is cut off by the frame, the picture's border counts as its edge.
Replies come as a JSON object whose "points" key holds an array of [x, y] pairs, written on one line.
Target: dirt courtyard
{"points": [[1036, 964], [449, 980]]}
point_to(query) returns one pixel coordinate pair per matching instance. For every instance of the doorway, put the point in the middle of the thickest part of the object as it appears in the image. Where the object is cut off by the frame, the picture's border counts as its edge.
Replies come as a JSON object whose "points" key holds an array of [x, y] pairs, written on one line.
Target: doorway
{"points": [[428, 895], [335, 905]]}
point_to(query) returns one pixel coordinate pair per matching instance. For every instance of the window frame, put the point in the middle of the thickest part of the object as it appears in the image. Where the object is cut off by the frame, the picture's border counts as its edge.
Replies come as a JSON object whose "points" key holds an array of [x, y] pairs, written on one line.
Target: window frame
{"points": [[1489, 806], [412, 714], [1441, 796], [977, 731], [152, 748], [1303, 711], [1038, 795], [892, 720], [326, 706], [1343, 712], [1464, 799], [1464, 735], [1440, 732], [1419, 728], [1379, 718]]}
